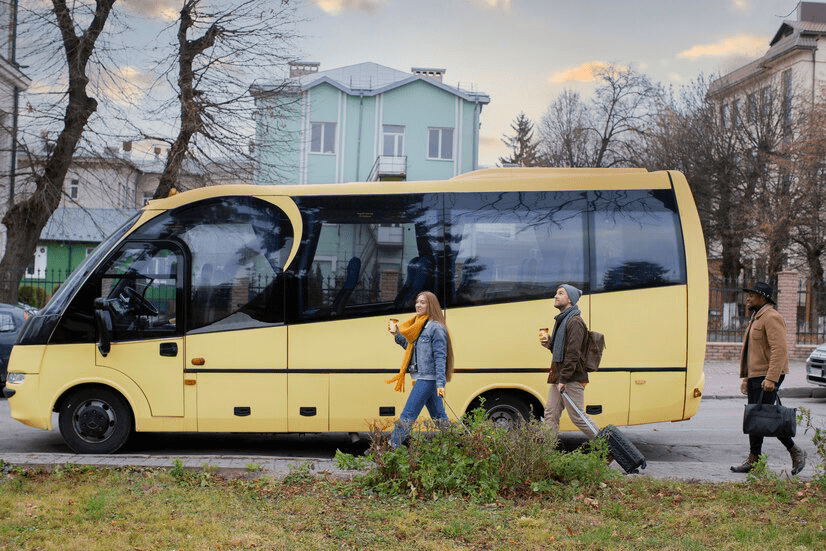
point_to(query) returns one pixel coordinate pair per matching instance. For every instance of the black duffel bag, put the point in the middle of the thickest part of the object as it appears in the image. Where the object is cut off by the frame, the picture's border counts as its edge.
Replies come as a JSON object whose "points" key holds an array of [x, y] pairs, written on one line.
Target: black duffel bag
{"points": [[769, 419]]}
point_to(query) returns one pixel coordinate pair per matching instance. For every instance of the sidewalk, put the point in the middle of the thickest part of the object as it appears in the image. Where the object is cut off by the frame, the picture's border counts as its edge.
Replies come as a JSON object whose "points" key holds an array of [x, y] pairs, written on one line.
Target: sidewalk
{"points": [[723, 381]]}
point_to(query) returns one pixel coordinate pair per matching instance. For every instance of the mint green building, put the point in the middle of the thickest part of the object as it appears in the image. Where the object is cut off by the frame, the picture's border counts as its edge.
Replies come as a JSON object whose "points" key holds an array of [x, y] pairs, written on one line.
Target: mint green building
{"points": [[365, 122]]}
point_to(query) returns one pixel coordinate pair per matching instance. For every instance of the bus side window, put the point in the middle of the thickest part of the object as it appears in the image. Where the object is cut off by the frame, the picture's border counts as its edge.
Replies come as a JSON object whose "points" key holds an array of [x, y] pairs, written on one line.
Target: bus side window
{"points": [[365, 255], [237, 248], [515, 245], [637, 240]]}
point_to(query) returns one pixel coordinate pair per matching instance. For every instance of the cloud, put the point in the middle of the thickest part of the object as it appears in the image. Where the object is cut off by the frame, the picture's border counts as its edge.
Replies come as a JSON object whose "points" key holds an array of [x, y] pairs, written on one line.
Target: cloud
{"points": [[582, 73], [741, 5], [748, 45], [334, 7], [504, 4], [128, 86], [168, 10]]}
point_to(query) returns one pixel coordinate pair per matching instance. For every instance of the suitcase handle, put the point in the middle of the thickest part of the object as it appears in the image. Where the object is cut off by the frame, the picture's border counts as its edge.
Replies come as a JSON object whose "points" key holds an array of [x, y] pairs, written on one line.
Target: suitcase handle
{"points": [[582, 416]]}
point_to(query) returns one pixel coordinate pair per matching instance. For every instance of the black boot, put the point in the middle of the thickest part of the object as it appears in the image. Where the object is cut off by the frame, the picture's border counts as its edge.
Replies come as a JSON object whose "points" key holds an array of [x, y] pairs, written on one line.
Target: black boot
{"points": [[746, 465], [798, 459]]}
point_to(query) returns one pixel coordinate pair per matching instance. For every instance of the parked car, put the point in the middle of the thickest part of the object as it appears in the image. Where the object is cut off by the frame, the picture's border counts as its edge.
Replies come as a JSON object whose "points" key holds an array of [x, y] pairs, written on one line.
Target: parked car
{"points": [[816, 366], [12, 318]]}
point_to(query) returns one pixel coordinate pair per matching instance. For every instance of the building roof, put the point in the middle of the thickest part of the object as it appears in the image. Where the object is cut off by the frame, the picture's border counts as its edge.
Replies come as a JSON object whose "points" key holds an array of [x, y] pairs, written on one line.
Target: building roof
{"points": [[84, 225], [792, 35], [368, 79]]}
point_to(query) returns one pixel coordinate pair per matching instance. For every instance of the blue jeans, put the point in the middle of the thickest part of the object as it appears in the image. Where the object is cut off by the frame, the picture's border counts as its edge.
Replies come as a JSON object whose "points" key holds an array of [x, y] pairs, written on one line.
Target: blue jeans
{"points": [[422, 395]]}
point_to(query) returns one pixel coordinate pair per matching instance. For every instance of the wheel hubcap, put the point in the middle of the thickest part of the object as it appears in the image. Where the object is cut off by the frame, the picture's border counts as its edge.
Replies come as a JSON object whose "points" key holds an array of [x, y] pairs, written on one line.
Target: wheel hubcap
{"points": [[94, 420]]}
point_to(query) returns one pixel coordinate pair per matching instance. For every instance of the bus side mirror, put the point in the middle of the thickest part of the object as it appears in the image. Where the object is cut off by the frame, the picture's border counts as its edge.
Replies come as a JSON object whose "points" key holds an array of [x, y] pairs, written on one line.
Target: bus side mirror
{"points": [[103, 325]]}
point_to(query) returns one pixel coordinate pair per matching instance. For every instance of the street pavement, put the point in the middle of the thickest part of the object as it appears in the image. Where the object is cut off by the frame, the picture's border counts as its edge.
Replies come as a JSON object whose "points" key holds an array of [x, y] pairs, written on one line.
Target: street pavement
{"points": [[691, 463]]}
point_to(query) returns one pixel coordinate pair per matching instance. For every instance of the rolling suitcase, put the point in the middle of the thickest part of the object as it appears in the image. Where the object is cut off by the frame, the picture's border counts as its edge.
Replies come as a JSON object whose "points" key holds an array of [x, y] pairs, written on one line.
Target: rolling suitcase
{"points": [[624, 452]]}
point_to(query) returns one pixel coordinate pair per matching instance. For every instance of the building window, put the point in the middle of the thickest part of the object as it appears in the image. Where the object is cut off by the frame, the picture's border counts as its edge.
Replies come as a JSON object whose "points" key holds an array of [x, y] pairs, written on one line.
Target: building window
{"points": [[735, 112], [787, 104], [323, 137], [37, 267], [751, 107], [393, 139], [73, 187], [724, 115], [440, 143]]}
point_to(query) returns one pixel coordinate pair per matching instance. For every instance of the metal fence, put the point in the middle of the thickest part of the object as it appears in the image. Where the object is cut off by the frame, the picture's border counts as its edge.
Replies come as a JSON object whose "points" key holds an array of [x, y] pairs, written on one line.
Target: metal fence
{"points": [[811, 312], [37, 288], [727, 316]]}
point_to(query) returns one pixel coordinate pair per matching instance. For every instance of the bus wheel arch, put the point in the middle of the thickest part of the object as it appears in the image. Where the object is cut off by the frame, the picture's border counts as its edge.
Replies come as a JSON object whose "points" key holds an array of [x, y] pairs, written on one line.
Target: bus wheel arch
{"points": [[95, 419], [508, 407]]}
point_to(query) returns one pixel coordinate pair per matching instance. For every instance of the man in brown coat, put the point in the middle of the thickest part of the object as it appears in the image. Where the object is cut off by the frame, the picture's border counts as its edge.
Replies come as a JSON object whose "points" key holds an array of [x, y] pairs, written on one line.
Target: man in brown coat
{"points": [[763, 366], [568, 373]]}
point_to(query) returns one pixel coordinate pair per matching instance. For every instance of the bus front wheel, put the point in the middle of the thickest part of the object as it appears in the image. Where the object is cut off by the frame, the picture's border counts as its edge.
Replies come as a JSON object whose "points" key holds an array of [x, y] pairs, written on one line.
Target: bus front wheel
{"points": [[505, 410], [95, 420]]}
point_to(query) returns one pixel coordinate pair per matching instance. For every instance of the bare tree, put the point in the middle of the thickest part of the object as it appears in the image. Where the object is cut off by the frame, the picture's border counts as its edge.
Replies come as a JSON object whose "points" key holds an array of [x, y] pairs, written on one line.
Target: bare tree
{"points": [[79, 25], [623, 108], [564, 140], [222, 47], [688, 135], [606, 131]]}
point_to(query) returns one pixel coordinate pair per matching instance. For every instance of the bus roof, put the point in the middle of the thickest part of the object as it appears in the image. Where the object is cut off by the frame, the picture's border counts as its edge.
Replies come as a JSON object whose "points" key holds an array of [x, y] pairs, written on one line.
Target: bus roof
{"points": [[491, 179]]}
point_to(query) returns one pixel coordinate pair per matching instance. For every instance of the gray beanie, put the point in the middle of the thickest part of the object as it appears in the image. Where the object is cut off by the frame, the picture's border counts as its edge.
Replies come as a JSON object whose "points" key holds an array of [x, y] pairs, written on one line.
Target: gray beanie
{"points": [[573, 292]]}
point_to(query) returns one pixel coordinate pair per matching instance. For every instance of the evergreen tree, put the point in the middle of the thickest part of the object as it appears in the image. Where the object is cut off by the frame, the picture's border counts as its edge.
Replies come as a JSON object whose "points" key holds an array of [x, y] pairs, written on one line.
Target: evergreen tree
{"points": [[521, 143]]}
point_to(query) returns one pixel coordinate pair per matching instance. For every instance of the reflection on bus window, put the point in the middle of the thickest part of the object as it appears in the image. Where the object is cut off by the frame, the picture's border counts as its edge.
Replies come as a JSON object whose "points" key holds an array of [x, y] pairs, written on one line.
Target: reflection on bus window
{"points": [[366, 255], [516, 245], [637, 240], [140, 285], [237, 246]]}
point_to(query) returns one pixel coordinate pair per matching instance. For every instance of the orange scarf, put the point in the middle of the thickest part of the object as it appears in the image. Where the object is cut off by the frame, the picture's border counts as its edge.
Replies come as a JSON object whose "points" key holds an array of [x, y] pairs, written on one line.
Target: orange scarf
{"points": [[410, 330]]}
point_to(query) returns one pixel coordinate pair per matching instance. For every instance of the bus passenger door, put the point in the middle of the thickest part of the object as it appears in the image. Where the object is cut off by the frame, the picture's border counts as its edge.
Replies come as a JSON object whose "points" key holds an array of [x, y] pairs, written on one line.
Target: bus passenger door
{"points": [[141, 298]]}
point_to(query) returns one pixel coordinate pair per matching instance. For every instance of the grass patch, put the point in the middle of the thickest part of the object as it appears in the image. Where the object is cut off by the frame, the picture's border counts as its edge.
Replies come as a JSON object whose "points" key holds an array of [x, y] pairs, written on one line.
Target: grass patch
{"points": [[153, 509]]}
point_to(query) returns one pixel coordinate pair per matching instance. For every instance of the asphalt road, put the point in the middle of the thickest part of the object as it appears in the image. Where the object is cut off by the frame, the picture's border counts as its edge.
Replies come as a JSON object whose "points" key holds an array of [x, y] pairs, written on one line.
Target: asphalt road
{"points": [[701, 448]]}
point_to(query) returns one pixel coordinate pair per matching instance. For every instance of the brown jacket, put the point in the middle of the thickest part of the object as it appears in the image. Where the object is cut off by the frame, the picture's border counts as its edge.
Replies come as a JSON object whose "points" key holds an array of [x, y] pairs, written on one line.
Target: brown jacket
{"points": [[764, 346], [571, 368]]}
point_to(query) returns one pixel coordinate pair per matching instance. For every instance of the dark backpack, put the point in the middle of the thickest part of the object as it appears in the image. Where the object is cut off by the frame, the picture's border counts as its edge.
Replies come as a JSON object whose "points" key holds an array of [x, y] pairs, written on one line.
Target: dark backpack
{"points": [[592, 350]]}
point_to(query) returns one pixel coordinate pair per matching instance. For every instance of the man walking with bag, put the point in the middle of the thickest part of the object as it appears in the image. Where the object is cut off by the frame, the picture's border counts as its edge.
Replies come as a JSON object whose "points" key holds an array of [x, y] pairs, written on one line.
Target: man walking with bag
{"points": [[763, 365], [568, 373]]}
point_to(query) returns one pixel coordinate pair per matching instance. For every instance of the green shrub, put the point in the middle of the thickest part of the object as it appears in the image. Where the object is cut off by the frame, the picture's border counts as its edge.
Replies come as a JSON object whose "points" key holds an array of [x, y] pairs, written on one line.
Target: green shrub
{"points": [[32, 295], [481, 461], [819, 440]]}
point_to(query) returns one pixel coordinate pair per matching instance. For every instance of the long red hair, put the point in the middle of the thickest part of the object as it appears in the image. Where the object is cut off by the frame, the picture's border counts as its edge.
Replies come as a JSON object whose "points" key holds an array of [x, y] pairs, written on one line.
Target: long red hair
{"points": [[434, 312]]}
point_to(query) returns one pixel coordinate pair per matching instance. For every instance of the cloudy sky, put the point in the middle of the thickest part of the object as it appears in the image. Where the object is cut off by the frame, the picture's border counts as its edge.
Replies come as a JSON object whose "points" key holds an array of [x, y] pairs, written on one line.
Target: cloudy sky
{"points": [[523, 53]]}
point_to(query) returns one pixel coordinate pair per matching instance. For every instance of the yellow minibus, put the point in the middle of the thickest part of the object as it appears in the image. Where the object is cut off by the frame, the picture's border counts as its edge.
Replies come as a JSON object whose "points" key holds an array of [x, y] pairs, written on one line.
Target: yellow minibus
{"points": [[264, 308]]}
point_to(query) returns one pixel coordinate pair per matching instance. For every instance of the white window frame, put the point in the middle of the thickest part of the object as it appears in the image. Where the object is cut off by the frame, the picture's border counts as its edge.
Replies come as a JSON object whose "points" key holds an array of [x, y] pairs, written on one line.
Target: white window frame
{"points": [[398, 139], [74, 188], [440, 132], [41, 259], [327, 137]]}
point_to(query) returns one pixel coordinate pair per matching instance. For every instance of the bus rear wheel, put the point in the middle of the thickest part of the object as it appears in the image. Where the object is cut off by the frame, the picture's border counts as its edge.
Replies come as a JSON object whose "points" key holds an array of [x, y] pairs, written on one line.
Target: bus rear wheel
{"points": [[95, 420], [505, 410]]}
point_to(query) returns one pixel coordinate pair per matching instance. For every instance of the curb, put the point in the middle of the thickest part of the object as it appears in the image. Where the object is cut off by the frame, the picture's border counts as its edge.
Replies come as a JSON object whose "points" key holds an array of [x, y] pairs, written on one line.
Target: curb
{"points": [[794, 392]]}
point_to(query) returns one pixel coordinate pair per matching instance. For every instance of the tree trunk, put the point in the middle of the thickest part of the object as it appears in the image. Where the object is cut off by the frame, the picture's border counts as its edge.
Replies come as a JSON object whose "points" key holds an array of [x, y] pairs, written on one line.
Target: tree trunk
{"points": [[25, 220]]}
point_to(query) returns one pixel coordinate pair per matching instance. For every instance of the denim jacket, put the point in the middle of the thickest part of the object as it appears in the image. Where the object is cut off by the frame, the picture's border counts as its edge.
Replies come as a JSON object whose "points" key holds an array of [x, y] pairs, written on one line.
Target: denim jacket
{"points": [[430, 353]]}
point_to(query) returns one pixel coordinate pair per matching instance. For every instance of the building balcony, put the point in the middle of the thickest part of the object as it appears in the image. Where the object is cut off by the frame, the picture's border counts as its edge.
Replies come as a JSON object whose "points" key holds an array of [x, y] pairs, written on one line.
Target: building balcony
{"points": [[388, 168]]}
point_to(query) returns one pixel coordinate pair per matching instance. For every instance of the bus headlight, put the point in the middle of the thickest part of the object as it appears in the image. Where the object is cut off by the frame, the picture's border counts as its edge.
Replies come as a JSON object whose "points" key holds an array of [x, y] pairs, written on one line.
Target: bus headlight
{"points": [[15, 378]]}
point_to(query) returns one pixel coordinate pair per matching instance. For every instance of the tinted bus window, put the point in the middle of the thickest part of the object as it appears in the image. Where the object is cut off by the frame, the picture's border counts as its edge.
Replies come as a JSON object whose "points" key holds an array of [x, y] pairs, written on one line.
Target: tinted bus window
{"points": [[366, 255], [637, 240], [237, 248], [515, 245]]}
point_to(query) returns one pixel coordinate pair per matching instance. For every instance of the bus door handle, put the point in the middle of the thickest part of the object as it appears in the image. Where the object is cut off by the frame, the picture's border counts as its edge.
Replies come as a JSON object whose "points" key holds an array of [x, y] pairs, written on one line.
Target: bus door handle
{"points": [[169, 349]]}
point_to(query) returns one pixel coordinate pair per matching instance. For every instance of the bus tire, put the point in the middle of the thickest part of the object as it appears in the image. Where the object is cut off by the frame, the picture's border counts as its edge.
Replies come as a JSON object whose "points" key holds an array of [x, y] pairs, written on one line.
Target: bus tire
{"points": [[95, 420], [505, 410]]}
